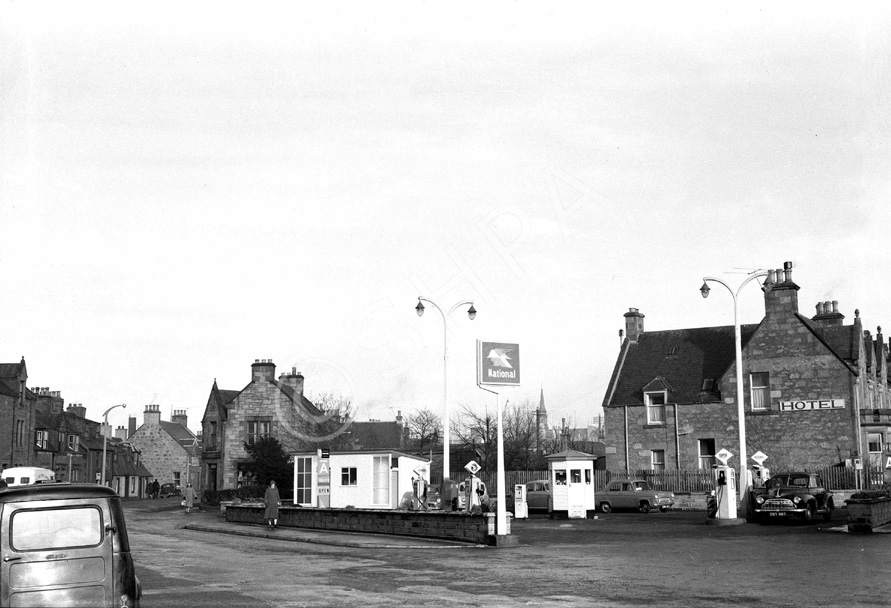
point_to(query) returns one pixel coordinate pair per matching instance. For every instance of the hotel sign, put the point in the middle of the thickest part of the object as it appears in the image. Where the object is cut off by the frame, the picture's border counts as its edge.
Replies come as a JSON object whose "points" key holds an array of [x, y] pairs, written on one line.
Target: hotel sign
{"points": [[498, 363], [811, 405]]}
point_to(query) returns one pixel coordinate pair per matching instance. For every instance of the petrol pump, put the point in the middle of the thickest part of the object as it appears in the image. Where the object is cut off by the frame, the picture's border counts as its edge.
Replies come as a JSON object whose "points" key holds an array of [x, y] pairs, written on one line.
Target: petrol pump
{"points": [[725, 491], [419, 487], [473, 491], [521, 509]]}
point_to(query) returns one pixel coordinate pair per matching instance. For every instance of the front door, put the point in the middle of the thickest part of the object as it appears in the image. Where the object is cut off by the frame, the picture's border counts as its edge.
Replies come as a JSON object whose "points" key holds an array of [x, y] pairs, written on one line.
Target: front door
{"points": [[56, 553]]}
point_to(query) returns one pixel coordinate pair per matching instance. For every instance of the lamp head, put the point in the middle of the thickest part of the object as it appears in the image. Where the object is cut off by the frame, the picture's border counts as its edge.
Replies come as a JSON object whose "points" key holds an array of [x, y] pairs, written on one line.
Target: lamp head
{"points": [[704, 290], [419, 308], [471, 312]]}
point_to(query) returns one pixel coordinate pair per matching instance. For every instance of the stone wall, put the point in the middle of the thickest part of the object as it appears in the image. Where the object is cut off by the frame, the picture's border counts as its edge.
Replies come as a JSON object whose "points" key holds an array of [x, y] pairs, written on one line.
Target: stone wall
{"points": [[866, 515], [447, 526]]}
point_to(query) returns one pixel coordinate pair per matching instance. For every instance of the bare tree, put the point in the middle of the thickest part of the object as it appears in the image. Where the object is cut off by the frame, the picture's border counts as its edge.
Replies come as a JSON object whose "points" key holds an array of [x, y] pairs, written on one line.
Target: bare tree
{"points": [[477, 433], [332, 426], [520, 429], [425, 429]]}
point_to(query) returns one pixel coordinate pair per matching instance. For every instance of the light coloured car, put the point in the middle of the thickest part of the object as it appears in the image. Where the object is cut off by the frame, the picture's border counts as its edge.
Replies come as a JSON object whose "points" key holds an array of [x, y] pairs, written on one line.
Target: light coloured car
{"points": [[633, 494]]}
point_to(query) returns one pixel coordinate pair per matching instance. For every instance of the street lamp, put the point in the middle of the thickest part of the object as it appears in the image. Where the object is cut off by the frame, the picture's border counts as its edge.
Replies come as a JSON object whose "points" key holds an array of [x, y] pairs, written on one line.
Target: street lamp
{"points": [[105, 437], [471, 312], [740, 406]]}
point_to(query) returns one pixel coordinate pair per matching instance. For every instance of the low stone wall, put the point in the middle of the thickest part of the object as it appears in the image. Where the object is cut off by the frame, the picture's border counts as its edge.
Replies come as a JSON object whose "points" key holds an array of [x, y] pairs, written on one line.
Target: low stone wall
{"points": [[437, 524], [690, 501], [866, 514]]}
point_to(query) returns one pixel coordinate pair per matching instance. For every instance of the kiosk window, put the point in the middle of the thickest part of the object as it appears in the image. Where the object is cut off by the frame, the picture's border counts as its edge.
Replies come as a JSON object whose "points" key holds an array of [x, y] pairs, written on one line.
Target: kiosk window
{"points": [[560, 478], [575, 476], [588, 476], [348, 476]]}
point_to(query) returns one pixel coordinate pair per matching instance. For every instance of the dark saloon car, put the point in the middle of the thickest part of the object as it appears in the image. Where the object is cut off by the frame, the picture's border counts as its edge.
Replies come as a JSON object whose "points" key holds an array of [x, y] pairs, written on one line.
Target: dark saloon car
{"points": [[169, 489], [796, 494], [65, 544]]}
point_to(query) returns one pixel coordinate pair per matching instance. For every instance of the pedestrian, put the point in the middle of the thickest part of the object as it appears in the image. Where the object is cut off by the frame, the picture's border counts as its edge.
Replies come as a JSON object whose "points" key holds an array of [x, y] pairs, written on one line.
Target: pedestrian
{"points": [[189, 497], [149, 490], [156, 489], [272, 502]]}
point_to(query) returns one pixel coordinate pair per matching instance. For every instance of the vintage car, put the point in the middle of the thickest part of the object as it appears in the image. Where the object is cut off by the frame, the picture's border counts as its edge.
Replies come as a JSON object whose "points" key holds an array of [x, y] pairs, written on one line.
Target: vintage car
{"points": [[795, 494], [538, 497], [633, 494], [169, 489], [65, 544]]}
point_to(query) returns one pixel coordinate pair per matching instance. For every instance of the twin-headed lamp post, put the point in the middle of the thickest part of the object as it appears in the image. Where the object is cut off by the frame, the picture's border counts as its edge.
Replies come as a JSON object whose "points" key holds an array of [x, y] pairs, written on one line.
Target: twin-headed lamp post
{"points": [[741, 481], [471, 312], [105, 437]]}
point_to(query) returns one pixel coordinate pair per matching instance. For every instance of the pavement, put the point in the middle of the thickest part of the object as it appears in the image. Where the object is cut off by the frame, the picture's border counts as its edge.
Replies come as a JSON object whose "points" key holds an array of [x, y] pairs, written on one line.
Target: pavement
{"points": [[211, 519]]}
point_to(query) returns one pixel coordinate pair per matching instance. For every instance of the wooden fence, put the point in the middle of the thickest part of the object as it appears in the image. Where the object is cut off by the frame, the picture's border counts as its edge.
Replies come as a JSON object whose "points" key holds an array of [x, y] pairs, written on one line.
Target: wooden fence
{"points": [[699, 480]]}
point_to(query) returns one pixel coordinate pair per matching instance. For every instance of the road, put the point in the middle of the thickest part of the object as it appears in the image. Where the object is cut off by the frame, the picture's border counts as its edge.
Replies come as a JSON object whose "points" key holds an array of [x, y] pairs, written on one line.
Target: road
{"points": [[618, 560]]}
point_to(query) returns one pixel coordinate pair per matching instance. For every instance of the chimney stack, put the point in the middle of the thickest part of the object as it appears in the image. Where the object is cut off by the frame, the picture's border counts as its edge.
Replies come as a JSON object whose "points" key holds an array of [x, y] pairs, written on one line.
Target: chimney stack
{"points": [[634, 324], [828, 314], [131, 426], [152, 414], [294, 380], [782, 299], [180, 417], [78, 410], [263, 370], [121, 433]]}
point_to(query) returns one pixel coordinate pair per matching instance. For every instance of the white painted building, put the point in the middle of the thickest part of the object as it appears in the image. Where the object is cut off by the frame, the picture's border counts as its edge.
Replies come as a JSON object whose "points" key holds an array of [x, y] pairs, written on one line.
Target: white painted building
{"points": [[365, 479], [572, 483]]}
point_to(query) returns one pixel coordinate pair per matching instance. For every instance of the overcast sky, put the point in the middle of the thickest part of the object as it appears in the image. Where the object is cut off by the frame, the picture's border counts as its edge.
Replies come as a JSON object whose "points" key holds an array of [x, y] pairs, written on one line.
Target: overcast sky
{"points": [[188, 187]]}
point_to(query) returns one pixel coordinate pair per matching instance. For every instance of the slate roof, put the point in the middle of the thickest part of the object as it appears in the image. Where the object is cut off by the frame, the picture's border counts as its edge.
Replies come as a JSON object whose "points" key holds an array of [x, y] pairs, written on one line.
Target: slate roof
{"points": [[683, 360], [377, 435], [9, 378], [680, 359], [181, 434]]}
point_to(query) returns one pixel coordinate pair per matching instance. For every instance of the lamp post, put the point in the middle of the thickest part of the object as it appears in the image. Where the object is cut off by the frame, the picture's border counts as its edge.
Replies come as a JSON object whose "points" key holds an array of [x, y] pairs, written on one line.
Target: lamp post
{"points": [[105, 437], [740, 406], [471, 312]]}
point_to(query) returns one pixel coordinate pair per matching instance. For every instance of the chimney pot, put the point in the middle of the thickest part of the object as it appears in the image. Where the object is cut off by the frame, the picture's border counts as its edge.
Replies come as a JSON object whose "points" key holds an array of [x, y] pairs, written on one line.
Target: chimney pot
{"points": [[835, 306], [819, 308]]}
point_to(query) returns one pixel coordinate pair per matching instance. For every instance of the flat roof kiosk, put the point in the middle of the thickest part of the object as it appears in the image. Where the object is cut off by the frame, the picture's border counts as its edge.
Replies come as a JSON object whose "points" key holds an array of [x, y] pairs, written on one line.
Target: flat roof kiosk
{"points": [[572, 484]]}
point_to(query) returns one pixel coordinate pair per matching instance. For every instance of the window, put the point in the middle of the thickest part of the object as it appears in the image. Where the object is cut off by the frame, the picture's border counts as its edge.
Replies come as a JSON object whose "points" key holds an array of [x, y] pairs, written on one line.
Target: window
{"points": [[41, 438], [655, 408], [257, 429], [72, 442], [588, 476], [575, 476], [560, 477], [213, 435], [874, 446], [348, 476], [176, 478], [303, 479], [657, 460], [760, 386], [381, 490], [706, 453], [56, 528], [19, 432]]}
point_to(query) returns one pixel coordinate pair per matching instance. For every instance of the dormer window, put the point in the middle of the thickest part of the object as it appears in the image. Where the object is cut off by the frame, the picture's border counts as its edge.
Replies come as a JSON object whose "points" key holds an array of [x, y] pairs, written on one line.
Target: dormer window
{"points": [[655, 407]]}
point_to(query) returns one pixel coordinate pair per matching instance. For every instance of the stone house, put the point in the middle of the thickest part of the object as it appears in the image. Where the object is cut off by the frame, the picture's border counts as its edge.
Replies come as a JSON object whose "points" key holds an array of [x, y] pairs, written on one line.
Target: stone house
{"points": [[265, 407], [815, 391], [17, 409], [168, 448]]}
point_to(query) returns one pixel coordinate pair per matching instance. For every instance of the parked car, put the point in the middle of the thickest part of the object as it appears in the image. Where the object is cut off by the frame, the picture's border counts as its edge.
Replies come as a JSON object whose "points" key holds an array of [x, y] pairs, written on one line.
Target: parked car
{"points": [[433, 499], [23, 476], [65, 545], [633, 494], [538, 497], [795, 494], [169, 489]]}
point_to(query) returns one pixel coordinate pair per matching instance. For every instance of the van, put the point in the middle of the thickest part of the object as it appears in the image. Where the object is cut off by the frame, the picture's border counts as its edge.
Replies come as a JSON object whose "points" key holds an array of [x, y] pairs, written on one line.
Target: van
{"points": [[23, 476], [65, 544]]}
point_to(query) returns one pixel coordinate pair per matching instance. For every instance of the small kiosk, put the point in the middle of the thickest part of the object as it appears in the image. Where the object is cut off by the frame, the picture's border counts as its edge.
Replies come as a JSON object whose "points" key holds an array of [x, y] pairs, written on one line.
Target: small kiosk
{"points": [[572, 484]]}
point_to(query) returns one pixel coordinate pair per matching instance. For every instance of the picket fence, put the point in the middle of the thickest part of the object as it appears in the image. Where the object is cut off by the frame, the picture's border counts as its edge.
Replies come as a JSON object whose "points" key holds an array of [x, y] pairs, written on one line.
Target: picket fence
{"points": [[678, 481]]}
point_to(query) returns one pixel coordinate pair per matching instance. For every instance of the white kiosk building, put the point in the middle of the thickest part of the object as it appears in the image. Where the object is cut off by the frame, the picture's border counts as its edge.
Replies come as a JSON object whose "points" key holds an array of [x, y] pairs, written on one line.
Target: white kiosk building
{"points": [[572, 484], [368, 479]]}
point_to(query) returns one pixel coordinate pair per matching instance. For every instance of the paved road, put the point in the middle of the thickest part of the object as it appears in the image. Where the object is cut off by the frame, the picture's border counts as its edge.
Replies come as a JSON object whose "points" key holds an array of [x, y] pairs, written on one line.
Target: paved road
{"points": [[618, 560]]}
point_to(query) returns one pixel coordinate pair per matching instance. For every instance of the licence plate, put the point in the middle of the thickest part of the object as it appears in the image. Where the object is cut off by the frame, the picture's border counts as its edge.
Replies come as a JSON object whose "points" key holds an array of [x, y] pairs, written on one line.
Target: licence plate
{"points": [[778, 514]]}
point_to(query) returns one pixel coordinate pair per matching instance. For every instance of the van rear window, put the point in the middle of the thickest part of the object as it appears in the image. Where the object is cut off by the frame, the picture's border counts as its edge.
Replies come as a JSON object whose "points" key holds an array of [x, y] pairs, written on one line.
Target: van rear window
{"points": [[56, 528]]}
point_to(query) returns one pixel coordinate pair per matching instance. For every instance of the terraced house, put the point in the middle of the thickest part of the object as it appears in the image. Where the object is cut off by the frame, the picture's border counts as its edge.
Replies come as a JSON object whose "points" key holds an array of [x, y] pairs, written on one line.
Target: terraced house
{"points": [[815, 391]]}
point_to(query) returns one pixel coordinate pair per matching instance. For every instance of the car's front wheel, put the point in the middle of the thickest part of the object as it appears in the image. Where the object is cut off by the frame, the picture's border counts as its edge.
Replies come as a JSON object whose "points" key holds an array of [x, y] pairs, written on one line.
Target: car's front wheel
{"points": [[605, 507], [827, 514], [663, 509], [644, 507], [809, 512]]}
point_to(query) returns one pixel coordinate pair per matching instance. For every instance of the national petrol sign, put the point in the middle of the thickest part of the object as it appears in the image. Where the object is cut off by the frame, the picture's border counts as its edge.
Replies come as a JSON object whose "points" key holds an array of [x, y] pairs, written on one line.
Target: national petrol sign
{"points": [[498, 363]]}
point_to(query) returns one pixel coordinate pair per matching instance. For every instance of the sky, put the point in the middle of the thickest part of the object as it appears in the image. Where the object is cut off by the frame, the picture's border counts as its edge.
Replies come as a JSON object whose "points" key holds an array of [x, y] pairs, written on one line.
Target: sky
{"points": [[186, 188]]}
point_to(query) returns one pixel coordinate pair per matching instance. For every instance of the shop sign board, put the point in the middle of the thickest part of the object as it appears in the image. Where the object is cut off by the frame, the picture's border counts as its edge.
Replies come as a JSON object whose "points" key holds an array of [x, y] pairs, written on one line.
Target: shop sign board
{"points": [[498, 363]]}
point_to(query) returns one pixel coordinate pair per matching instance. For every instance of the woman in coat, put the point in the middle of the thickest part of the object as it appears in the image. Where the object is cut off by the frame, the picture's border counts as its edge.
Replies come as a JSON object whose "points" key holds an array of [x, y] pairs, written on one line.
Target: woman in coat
{"points": [[189, 497], [272, 501]]}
